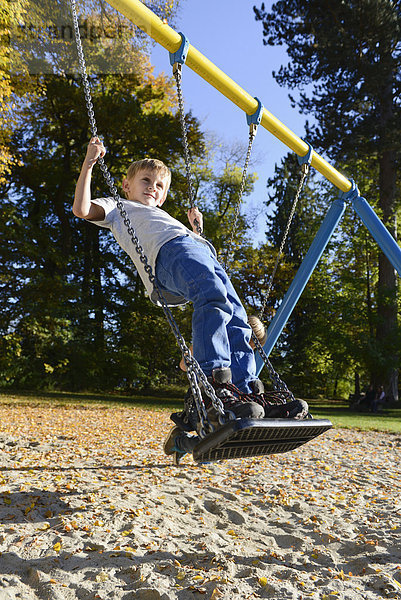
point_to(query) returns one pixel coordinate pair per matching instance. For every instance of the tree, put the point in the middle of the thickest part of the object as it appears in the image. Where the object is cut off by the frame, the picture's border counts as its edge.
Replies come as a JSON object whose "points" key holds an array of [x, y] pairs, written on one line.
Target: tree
{"points": [[328, 337], [350, 53], [10, 86], [73, 310], [57, 316], [64, 269], [302, 351], [36, 38]]}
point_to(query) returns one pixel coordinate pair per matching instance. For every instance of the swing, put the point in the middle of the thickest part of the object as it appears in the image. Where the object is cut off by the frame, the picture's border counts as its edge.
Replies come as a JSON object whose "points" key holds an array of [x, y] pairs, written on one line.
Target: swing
{"points": [[236, 437], [244, 438]]}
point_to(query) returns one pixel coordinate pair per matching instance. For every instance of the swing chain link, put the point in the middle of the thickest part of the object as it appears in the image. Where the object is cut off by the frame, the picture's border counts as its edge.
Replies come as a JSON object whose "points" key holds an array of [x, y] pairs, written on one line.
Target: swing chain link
{"points": [[304, 173], [83, 70], [278, 384], [177, 72], [253, 128], [195, 374]]}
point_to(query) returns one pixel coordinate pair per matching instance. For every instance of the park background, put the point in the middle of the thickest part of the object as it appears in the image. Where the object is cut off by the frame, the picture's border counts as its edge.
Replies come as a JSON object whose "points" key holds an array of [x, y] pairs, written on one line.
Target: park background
{"points": [[74, 315]]}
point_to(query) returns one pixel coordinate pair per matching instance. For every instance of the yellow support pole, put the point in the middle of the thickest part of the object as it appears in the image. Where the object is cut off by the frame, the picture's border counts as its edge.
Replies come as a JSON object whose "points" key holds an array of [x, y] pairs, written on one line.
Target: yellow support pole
{"points": [[162, 33]]}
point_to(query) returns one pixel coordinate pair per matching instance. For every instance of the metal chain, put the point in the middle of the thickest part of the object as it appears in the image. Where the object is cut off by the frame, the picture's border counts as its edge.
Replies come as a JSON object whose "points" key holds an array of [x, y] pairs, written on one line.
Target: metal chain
{"points": [[278, 383], [304, 173], [252, 133], [195, 374], [83, 70], [177, 72]]}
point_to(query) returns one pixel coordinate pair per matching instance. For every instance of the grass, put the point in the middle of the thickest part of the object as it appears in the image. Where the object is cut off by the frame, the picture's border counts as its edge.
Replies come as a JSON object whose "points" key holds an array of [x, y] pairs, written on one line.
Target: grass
{"points": [[337, 411], [341, 415]]}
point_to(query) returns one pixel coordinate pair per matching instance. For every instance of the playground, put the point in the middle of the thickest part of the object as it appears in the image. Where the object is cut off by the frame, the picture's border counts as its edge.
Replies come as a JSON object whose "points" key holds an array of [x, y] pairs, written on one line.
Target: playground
{"points": [[97, 501]]}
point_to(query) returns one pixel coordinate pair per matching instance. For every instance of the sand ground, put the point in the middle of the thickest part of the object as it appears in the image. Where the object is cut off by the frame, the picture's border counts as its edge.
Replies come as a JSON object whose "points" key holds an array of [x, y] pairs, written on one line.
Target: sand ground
{"points": [[91, 508]]}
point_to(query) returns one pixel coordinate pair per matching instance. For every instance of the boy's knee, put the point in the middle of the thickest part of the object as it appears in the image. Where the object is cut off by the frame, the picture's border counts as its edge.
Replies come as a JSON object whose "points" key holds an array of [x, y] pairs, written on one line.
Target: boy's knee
{"points": [[214, 291]]}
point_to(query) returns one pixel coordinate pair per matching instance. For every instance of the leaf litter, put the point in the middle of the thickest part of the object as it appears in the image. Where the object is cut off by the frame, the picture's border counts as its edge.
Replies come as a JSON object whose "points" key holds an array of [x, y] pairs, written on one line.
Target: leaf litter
{"points": [[91, 508]]}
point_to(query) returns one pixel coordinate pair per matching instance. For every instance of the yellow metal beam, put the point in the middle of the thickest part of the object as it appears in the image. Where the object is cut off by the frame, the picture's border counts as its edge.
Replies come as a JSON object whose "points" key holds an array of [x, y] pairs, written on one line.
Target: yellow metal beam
{"points": [[162, 33]]}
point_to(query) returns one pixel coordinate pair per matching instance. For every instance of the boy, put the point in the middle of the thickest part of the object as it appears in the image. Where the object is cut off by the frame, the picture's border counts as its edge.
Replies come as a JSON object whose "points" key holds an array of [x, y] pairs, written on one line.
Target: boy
{"points": [[186, 269]]}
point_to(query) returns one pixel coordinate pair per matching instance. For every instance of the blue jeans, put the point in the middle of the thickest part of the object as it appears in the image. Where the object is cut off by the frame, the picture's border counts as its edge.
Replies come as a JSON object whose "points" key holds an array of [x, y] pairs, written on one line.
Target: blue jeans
{"points": [[220, 330]]}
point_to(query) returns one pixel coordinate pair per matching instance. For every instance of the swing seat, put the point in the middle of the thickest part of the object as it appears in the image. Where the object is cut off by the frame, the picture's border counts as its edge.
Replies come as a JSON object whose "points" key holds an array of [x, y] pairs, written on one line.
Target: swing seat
{"points": [[243, 438]]}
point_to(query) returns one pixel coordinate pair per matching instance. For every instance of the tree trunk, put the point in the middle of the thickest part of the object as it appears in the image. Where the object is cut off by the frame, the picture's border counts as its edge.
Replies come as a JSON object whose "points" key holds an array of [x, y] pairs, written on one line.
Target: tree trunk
{"points": [[392, 388], [357, 383], [335, 386], [386, 331]]}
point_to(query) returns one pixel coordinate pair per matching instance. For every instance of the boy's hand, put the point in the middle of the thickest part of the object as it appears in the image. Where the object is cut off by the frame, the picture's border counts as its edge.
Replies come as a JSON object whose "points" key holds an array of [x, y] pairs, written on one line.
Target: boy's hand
{"points": [[83, 207], [95, 149], [195, 218]]}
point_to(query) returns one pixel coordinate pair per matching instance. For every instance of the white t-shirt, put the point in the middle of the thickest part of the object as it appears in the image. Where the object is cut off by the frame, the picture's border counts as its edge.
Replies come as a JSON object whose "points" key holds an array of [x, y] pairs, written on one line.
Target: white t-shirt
{"points": [[153, 227]]}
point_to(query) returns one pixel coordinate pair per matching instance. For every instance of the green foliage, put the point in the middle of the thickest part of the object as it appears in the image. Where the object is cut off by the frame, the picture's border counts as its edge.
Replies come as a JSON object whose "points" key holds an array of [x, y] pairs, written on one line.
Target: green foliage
{"points": [[227, 224], [348, 54], [10, 355], [64, 287], [69, 295]]}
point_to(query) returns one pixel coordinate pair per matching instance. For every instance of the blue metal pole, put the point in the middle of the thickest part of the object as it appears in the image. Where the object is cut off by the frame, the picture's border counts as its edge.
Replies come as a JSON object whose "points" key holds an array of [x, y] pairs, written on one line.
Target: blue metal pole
{"points": [[300, 280], [382, 236]]}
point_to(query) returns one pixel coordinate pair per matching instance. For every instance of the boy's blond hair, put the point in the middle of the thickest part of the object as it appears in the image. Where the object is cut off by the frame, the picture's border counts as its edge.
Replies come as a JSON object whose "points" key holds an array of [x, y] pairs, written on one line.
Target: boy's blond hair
{"points": [[150, 164]]}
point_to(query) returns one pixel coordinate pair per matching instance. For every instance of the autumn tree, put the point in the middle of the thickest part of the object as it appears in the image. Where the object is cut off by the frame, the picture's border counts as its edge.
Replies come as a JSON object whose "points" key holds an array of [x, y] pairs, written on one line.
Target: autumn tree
{"points": [[11, 87], [53, 304], [36, 38]]}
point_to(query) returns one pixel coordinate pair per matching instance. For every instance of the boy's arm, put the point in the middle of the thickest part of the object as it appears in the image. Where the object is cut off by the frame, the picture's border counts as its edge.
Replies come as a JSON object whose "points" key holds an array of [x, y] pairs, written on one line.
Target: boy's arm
{"points": [[82, 206], [195, 218]]}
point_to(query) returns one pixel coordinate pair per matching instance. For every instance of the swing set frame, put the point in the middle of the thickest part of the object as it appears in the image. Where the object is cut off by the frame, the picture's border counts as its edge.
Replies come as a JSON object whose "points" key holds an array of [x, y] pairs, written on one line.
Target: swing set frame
{"points": [[239, 438], [171, 40]]}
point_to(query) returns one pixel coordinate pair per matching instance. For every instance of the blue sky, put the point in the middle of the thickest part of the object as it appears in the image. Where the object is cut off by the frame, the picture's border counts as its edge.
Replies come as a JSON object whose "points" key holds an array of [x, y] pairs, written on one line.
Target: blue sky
{"points": [[226, 32]]}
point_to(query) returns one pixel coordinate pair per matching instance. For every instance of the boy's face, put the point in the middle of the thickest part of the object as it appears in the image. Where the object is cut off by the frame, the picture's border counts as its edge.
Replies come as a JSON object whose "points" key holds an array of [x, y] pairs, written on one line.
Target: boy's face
{"points": [[147, 187]]}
